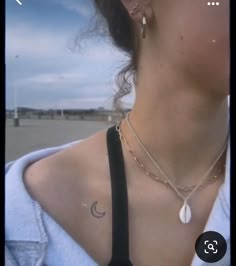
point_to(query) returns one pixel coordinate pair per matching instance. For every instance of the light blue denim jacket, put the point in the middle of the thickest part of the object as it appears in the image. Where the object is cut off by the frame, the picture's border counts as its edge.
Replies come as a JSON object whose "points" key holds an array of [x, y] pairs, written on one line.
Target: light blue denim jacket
{"points": [[33, 238]]}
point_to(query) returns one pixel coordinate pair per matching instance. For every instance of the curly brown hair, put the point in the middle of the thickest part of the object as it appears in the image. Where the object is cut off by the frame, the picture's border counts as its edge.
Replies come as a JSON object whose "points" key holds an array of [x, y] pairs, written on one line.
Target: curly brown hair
{"points": [[122, 34]]}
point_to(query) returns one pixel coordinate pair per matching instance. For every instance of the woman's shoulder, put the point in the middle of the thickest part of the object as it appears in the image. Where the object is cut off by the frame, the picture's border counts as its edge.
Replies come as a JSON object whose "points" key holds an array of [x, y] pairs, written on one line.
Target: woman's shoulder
{"points": [[68, 183], [65, 184], [69, 169]]}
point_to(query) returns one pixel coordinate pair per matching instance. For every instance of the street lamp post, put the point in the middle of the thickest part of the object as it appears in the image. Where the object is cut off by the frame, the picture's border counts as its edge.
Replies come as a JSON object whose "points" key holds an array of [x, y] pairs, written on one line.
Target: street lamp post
{"points": [[16, 120], [62, 113]]}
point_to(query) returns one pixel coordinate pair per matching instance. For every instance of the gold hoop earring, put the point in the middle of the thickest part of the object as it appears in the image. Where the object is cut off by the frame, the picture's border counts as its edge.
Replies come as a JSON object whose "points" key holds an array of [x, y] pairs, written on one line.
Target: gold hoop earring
{"points": [[144, 27]]}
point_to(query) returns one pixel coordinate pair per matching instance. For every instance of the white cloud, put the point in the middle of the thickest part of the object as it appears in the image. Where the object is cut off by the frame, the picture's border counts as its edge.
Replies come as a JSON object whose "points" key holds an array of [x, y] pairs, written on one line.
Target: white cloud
{"points": [[47, 78], [50, 73], [21, 39], [77, 6]]}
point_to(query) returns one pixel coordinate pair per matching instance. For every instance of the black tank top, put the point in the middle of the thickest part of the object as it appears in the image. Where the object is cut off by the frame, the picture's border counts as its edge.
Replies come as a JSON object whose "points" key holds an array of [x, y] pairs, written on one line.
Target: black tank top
{"points": [[120, 224]]}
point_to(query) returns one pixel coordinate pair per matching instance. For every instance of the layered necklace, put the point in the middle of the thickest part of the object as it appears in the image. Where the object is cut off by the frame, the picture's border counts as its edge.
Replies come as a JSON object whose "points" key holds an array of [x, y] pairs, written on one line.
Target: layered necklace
{"points": [[185, 213]]}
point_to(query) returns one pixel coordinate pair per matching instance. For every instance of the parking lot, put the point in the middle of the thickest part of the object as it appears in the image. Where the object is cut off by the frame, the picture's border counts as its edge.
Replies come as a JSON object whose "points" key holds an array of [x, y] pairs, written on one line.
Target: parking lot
{"points": [[32, 135]]}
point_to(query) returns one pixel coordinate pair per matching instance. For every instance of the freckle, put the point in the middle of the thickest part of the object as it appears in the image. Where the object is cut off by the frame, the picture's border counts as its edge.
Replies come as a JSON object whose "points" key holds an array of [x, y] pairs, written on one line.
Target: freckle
{"points": [[181, 37]]}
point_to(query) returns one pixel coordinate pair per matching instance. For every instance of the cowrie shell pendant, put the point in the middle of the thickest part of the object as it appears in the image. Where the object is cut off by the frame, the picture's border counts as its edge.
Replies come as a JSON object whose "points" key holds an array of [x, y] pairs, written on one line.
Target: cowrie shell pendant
{"points": [[185, 213]]}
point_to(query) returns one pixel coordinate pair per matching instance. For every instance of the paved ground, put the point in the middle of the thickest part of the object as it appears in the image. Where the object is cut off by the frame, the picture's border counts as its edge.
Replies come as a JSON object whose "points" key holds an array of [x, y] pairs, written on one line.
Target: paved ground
{"points": [[36, 134]]}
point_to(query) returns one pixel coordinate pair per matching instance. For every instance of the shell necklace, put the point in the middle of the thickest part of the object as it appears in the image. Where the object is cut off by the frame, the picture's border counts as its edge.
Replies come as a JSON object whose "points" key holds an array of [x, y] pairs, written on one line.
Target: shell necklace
{"points": [[185, 213]]}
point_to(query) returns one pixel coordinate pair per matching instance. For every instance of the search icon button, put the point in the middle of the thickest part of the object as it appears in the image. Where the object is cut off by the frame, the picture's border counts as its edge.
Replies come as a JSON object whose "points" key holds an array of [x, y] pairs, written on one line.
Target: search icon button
{"points": [[211, 246]]}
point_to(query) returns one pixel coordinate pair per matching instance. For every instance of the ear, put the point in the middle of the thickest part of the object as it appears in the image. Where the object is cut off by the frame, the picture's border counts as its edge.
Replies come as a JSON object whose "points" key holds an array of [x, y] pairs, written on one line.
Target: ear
{"points": [[138, 8]]}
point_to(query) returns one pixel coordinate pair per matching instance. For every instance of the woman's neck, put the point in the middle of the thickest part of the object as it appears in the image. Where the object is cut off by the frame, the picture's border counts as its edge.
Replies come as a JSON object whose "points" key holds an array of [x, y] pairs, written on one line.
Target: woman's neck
{"points": [[184, 129]]}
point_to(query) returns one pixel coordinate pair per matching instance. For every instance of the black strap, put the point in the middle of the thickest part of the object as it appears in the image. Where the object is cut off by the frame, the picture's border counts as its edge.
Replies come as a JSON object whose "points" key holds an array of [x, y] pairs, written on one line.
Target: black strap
{"points": [[120, 223]]}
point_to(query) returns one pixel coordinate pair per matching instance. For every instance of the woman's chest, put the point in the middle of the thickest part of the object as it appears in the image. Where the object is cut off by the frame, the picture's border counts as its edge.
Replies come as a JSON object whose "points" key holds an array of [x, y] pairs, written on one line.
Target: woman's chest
{"points": [[156, 236], [161, 239], [163, 245]]}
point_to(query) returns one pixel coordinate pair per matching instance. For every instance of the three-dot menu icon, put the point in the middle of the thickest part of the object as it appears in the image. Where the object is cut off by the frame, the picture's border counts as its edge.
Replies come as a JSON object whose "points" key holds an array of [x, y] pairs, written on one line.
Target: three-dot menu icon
{"points": [[213, 3]]}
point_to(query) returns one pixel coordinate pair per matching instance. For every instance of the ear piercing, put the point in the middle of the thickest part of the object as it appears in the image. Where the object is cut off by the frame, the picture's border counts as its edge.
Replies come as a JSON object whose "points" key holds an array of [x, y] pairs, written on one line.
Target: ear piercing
{"points": [[135, 11], [144, 27]]}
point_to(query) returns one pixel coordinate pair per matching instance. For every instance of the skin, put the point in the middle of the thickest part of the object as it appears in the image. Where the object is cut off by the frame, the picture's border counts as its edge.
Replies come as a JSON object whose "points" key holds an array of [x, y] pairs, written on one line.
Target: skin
{"points": [[180, 113], [183, 82]]}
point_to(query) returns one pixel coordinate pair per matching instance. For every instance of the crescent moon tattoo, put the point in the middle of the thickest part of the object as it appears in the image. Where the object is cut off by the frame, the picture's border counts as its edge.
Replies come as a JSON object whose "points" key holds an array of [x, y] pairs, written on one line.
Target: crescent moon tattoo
{"points": [[94, 211]]}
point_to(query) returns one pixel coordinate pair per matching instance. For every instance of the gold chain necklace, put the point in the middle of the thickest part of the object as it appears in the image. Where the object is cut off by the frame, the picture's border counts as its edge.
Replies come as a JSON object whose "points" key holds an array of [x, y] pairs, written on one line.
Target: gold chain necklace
{"points": [[148, 173], [185, 213]]}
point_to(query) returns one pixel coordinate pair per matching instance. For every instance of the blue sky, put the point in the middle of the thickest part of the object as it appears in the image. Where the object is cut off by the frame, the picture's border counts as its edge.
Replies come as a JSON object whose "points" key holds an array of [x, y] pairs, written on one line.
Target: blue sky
{"points": [[41, 66]]}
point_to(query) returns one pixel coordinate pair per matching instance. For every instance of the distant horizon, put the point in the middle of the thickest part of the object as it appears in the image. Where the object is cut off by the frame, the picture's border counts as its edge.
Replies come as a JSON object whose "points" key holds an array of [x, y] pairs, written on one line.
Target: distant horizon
{"points": [[77, 109]]}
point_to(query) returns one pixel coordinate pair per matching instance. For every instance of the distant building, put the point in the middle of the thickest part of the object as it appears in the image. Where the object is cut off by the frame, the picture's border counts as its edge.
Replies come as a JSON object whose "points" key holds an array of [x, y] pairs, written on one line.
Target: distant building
{"points": [[99, 114]]}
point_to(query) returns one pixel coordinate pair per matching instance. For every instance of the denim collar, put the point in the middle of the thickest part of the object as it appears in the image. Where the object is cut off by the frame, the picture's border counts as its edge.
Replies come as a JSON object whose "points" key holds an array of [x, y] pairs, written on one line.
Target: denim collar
{"points": [[23, 216]]}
